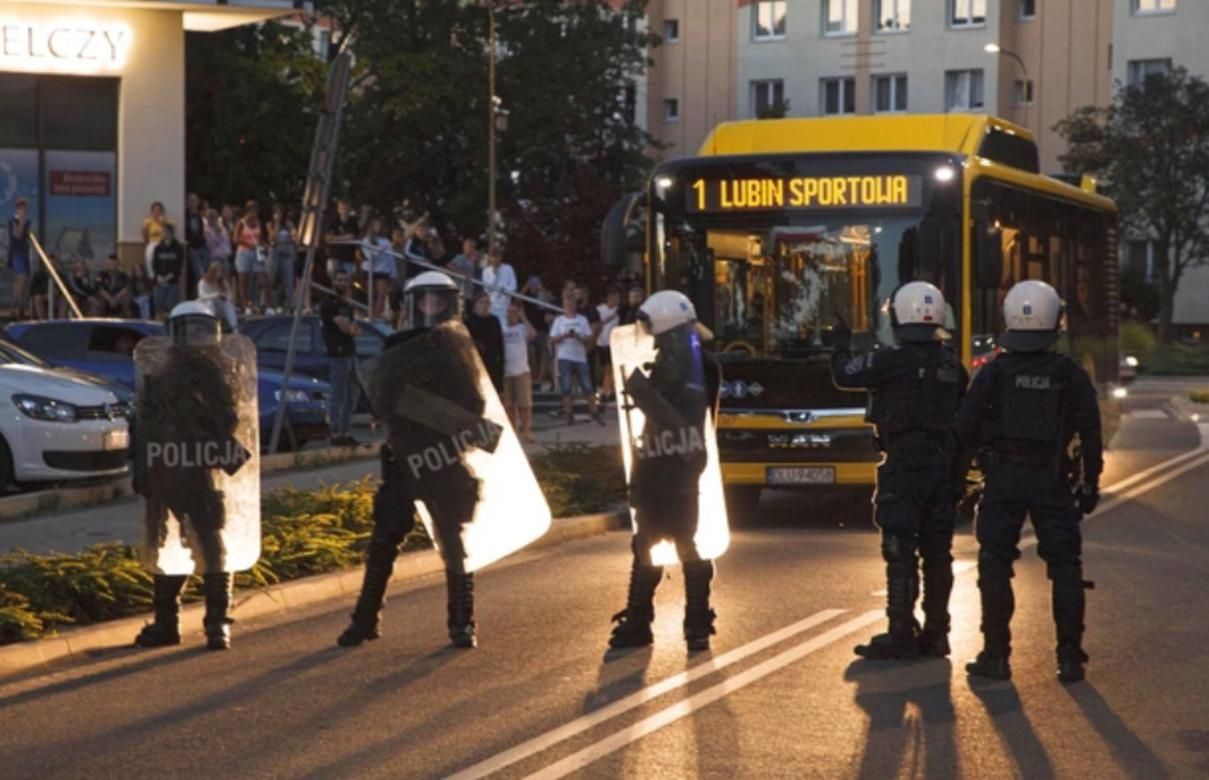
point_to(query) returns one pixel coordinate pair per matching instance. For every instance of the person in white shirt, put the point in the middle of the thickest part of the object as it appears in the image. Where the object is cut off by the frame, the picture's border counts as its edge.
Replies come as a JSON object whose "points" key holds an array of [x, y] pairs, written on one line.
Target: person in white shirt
{"points": [[571, 335], [499, 279], [380, 266], [213, 289], [518, 383], [610, 313]]}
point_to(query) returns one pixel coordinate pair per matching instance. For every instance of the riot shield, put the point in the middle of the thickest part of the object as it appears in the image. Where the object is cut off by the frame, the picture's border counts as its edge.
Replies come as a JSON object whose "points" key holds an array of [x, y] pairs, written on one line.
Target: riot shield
{"points": [[454, 446], [669, 448], [197, 455]]}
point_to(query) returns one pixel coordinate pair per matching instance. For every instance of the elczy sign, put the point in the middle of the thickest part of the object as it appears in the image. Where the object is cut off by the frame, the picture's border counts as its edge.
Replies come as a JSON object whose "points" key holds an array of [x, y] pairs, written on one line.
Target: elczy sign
{"points": [[75, 46]]}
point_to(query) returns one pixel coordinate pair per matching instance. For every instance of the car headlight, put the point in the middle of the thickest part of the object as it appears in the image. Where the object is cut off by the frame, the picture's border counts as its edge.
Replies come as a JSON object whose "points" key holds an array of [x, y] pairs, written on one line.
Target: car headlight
{"points": [[41, 408], [294, 396], [1131, 361]]}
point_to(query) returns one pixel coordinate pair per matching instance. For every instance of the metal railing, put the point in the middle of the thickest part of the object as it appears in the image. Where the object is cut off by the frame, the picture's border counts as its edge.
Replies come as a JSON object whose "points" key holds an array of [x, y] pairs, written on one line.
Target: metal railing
{"points": [[53, 274]]}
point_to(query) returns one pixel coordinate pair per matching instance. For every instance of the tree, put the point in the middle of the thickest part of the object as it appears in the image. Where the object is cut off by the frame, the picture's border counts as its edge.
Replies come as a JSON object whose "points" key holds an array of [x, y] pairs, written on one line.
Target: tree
{"points": [[251, 96], [1151, 148]]}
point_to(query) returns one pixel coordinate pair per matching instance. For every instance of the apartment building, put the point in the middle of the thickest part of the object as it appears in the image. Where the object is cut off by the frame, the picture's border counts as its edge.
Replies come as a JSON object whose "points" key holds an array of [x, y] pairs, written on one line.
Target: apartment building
{"points": [[835, 57]]}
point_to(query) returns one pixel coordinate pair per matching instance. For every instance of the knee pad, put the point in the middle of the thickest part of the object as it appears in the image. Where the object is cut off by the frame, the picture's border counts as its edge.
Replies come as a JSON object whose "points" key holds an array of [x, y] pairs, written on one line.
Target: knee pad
{"points": [[991, 565], [898, 548], [1064, 572]]}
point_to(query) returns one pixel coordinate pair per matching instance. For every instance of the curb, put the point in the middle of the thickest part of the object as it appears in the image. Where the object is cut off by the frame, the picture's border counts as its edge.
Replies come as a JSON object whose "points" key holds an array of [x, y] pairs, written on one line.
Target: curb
{"points": [[79, 644], [54, 500]]}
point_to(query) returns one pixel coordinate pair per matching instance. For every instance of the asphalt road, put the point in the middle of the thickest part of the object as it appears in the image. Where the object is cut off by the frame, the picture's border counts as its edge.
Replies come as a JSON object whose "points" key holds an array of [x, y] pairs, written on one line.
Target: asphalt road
{"points": [[780, 695]]}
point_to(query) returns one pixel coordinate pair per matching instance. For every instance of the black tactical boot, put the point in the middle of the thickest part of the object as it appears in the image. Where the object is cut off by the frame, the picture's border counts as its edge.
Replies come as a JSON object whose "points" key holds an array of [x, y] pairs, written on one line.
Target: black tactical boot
{"points": [[938, 585], [461, 609], [166, 630], [1069, 604], [633, 627], [367, 615], [698, 617], [217, 588], [990, 664], [899, 642]]}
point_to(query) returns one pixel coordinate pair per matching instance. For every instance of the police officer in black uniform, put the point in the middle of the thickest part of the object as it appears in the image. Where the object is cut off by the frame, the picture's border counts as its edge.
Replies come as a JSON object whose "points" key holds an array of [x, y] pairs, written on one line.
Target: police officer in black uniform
{"points": [[449, 493], [915, 390], [675, 399], [1036, 401]]}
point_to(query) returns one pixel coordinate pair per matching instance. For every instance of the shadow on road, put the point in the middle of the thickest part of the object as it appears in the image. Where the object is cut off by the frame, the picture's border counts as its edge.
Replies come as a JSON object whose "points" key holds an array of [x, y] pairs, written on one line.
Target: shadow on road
{"points": [[1015, 731], [622, 672], [1133, 756], [911, 718]]}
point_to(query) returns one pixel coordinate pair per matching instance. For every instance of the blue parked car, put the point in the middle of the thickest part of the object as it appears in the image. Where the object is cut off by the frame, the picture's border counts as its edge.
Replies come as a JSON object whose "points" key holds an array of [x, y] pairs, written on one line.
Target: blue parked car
{"points": [[271, 335], [104, 347]]}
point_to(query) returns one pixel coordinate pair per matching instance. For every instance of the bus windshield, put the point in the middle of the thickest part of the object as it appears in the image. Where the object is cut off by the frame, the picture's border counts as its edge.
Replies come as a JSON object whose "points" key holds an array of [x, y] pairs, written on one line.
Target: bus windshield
{"points": [[779, 287]]}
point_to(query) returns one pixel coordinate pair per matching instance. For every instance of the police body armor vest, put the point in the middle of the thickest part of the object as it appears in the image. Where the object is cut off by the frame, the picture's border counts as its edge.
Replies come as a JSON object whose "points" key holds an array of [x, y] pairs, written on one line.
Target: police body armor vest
{"points": [[1029, 400], [923, 398]]}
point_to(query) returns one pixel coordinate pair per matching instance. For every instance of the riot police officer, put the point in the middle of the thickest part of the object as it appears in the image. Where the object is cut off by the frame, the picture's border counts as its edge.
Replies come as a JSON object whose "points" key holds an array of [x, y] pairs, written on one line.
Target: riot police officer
{"points": [[667, 462], [915, 390], [421, 372], [1035, 401], [196, 467]]}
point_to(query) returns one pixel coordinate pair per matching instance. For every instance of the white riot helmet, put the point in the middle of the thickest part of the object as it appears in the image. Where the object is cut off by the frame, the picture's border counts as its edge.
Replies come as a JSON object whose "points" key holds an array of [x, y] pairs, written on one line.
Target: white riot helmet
{"points": [[1032, 312], [917, 312], [193, 324], [430, 299], [665, 311]]}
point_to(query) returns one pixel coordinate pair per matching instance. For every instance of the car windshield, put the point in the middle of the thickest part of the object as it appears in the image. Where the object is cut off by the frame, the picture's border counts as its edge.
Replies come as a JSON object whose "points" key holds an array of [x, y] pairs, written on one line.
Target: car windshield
{"points": [[10, 353]]}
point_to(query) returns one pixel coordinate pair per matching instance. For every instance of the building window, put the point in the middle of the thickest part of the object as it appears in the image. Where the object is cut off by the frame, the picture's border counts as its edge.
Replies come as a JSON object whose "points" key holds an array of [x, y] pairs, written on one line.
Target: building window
{"points": [[671, 31], [892, 15], [889, 93], [768, 20], [1028, 9], [838, 96], [967, 13], [1137, 71], [963, 90], [1154, 6], [768, 98], [1022, 92], [839, 17], [58, 150], [671, 110]]}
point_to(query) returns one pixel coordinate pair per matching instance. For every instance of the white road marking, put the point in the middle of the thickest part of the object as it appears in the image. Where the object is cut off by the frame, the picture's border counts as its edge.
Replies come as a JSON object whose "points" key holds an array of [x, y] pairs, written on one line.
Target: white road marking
{"points": [[1120, 492], [1148, 414], [638, 698], [688, 706]]}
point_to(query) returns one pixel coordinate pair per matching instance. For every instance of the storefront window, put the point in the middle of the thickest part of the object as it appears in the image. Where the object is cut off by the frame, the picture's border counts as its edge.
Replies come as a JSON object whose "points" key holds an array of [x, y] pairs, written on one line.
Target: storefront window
{"points": [[58, 143]]}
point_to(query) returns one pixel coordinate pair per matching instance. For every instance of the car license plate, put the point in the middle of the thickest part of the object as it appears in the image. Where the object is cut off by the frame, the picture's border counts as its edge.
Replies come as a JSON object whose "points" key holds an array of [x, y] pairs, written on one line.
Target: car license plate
{"points": [[118, 439], [802, 476]]}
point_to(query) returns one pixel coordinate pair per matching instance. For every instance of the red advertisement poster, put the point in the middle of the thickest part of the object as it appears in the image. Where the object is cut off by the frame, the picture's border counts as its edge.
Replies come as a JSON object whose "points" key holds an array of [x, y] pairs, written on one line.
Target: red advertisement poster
{"points": [[88, 184]]}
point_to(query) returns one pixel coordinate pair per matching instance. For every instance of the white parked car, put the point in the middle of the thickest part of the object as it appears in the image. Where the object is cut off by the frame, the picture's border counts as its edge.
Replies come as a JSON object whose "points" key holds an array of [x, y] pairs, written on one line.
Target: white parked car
{"points": [[57, 427]]}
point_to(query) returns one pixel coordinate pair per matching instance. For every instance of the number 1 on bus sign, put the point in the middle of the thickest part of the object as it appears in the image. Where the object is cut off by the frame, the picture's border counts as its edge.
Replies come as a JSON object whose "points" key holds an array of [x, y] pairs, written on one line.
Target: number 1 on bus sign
{"points": [[699, 186]]}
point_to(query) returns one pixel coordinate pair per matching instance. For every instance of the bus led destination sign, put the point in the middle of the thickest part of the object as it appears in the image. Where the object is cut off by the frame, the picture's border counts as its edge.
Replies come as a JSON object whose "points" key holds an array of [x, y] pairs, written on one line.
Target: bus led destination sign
{"points": [[804, 192]]}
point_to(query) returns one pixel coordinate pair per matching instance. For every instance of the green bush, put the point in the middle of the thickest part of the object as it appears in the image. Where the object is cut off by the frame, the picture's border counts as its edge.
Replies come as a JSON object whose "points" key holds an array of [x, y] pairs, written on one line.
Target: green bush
{"points": [[1180, 360], [1199, 396], [1138, 340], [303, 533]]}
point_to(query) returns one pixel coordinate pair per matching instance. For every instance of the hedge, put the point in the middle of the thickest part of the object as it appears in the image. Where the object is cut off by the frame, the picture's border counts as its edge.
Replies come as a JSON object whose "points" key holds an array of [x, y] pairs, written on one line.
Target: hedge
{"points": [[304, 532], [1179, 360]]}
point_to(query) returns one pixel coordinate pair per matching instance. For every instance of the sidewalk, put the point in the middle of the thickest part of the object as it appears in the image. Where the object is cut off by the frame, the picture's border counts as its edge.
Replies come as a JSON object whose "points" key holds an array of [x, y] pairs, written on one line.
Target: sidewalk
{"points": [[70, 531]]}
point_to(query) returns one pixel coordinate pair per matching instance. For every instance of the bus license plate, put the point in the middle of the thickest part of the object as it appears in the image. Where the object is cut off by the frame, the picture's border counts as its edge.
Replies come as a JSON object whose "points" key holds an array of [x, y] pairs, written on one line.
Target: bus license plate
{"points": [[801, 476], [117, 439]]}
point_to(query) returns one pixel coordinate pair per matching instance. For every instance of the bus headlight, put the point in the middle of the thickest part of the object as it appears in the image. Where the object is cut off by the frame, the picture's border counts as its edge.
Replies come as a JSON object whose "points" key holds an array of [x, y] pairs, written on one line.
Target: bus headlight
{"points": [[944, 174]]}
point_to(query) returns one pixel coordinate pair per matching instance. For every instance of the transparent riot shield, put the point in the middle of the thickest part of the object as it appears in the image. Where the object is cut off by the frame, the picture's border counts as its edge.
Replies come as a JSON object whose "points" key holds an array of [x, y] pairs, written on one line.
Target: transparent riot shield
{"points": [[455, 448], [669, 447], [197, 455]]}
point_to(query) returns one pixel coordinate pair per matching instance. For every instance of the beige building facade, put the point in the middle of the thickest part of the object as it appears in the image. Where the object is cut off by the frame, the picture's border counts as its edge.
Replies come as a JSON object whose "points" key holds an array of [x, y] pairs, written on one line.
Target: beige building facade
{"points": [[94, 121]]}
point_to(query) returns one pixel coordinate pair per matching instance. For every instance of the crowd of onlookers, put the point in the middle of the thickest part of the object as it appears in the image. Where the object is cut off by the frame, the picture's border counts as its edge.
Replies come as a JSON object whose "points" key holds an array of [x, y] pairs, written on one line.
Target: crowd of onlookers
{"points": [[245, 260]]}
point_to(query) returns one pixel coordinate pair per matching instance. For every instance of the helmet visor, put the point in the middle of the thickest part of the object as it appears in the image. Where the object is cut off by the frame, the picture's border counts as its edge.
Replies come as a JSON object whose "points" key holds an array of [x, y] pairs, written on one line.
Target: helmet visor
{"points": [[427, 307], [195, 330]]}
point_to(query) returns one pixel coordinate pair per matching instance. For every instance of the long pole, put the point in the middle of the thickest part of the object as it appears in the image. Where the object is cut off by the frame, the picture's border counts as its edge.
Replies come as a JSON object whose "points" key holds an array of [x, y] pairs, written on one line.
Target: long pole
{"points": [[454, 274], [491, 112], [314, 201], [58, 281]]}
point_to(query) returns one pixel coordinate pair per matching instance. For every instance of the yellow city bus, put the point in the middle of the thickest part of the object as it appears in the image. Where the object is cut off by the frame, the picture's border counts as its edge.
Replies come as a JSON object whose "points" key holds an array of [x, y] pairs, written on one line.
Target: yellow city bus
{"points": [[779, 226]]}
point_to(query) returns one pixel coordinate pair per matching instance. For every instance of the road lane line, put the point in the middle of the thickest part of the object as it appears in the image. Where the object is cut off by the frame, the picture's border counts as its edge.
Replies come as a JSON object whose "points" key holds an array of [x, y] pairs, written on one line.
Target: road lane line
{"points": [[688, 706], [638, 698]]}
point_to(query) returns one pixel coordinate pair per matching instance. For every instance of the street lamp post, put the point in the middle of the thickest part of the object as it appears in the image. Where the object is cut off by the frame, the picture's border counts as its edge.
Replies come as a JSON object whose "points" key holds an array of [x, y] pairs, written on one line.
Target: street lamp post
{"points": [[1026, 92]]}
